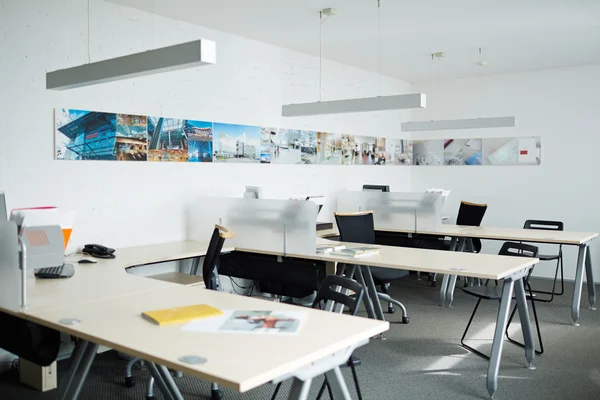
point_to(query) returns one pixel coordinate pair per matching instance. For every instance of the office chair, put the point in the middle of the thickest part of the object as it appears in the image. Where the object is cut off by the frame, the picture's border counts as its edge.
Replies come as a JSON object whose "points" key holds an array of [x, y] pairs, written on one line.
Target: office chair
{"points": [[210, 275], [327, 292], [550, 226], [495, 293], [359, 228], [469, 214]]}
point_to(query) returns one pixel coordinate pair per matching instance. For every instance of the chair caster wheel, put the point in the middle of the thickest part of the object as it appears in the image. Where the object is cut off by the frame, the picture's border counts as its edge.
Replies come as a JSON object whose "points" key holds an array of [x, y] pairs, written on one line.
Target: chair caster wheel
{"points": [[391, 310], [216, 394], [433, 284], [130, 381], [405, 320]]}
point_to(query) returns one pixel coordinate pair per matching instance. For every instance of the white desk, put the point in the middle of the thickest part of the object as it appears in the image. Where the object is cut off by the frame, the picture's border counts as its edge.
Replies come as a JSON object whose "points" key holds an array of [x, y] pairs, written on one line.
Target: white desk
{"points": [[579, 239], [109, 302], [511, 270], [568, 238]]}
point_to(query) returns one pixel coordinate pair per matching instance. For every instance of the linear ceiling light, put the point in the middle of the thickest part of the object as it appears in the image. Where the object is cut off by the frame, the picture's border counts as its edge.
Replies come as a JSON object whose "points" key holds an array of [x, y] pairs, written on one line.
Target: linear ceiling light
{"points": [[171, 58], [442, 125], [474, 123], [378, 103]]}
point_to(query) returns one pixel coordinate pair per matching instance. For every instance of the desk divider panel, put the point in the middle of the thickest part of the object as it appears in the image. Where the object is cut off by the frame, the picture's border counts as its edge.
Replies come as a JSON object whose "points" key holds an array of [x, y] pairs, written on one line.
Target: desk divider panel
{"points": [[10, 274], [287, 226], [396, 210]]}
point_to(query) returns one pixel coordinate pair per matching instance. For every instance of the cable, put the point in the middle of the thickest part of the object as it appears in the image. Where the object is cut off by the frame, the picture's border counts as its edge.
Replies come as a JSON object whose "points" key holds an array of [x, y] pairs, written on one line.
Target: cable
{"points": [[433, 87], [378, 48], [88, 29], [249, 289]]}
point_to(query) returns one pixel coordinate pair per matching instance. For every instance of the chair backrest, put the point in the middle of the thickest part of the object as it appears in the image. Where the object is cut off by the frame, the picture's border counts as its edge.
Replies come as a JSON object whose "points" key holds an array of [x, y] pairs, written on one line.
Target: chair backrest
{"points": [[357, 227], [470, 214], [327, 292], [544, 225], [518, 250], [210, 267]]}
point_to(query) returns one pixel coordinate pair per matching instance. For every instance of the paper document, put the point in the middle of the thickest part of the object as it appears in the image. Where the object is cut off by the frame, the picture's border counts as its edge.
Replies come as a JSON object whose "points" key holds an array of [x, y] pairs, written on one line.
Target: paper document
{"points": [[329, 248], [251, 322]]}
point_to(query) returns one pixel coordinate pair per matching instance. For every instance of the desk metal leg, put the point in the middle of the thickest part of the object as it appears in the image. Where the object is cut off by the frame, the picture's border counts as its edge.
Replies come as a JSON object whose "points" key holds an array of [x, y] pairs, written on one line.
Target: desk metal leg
{"points": [[462, 242], [164, 371], [525, 322], [299, 389], [81, 372], [337, 384], [578, 284], [590, 280], [444, 286], [498, 343], [367, 299], [195, 265], [373, 292], [76, 358], [160, 382]]}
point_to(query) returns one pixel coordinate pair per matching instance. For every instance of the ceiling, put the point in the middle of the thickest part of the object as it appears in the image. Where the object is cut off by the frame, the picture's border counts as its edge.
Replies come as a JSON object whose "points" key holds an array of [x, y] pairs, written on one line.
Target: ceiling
{"points": [[515, 35]]}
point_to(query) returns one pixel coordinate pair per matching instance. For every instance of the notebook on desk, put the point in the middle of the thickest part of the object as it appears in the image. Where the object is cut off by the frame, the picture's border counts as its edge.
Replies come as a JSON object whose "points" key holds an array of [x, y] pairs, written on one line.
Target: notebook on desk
{"points": [[177, 315]]}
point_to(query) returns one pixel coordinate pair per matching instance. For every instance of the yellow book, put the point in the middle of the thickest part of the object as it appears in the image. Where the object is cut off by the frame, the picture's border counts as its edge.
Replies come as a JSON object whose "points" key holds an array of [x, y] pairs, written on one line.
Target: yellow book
{"points": [[181, 314]]}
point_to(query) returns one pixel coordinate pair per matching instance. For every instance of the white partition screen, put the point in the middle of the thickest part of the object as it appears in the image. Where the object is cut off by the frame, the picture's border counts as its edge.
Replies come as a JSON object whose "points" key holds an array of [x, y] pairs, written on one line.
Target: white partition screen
{"points": [[286, 226], [10, 274], [403, 211]]}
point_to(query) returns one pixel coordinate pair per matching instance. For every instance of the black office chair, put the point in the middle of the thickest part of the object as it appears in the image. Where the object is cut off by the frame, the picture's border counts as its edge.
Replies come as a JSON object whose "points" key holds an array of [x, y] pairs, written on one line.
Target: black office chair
{"points": [[471, 214], [359, 228], [550, 226], [210, 275], [494, 292], [328, 291]]}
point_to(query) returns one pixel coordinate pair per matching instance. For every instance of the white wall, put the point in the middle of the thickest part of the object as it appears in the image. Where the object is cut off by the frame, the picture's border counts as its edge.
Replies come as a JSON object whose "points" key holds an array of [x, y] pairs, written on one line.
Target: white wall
{"points": [[120, 203], [562, 106]]}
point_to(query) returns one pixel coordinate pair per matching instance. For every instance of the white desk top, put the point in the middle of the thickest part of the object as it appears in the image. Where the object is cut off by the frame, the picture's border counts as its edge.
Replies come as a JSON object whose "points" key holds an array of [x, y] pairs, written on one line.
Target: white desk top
{"points": [[485, 266], [514, 234], [235, 360]]}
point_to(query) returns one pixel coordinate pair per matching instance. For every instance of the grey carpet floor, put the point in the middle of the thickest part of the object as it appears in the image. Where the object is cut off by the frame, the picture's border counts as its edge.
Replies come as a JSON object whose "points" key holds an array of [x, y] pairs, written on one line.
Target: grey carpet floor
{"points": [[421, 360]]}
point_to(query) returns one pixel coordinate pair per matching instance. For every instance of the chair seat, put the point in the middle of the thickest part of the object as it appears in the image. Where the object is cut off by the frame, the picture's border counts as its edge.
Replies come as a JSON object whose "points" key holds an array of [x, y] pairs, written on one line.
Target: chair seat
{"points": [[385, 275], [548, 257]]}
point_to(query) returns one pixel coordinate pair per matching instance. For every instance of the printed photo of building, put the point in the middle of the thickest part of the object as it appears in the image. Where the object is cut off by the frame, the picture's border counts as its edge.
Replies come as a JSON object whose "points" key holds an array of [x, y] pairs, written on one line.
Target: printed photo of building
{"points": [[167, 139], [85, 135], [200, 141], [236, 143]]}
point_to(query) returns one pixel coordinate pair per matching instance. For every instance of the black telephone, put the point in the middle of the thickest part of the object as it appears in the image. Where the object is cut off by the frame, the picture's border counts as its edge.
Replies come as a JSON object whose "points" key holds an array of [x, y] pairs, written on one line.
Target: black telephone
{"points": [[99, 251]]}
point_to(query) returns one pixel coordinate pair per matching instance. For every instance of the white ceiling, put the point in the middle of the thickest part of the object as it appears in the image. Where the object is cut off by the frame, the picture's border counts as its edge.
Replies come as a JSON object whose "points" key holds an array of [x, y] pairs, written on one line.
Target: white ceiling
{"points": [[516, 35]]}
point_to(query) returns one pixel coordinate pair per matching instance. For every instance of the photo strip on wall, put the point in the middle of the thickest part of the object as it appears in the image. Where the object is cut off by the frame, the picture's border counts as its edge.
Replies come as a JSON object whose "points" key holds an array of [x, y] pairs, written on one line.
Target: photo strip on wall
{"points": [[95, 135]]}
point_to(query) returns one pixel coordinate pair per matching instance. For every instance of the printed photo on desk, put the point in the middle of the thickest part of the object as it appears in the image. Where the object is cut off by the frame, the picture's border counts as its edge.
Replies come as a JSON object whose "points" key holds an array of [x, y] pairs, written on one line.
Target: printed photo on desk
{"points": [[526, 150], [200, 141], [167, 139], [462, 151], [236, 143], [85, 135], [251, 322]]}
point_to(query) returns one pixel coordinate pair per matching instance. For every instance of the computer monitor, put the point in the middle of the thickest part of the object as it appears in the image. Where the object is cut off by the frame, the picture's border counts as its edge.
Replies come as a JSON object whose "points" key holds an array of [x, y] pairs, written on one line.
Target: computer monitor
{"points": [[253, 192], [376, 188], [3, 214]]}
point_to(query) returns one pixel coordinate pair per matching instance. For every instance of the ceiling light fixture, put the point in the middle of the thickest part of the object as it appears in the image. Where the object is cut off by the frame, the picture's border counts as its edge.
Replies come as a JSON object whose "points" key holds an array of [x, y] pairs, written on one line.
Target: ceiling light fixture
{"points": [[171, 58], [366, 104], [449, 124]]}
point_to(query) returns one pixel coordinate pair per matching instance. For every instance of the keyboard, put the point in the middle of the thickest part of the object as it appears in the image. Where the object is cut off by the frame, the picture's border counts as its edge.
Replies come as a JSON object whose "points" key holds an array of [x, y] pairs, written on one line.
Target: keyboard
{"points": [[62, 271]]}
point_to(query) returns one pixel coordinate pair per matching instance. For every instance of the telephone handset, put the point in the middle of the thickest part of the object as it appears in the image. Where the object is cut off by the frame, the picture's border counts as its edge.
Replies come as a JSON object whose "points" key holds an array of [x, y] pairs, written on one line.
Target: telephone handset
{"points": [[99, 251]]}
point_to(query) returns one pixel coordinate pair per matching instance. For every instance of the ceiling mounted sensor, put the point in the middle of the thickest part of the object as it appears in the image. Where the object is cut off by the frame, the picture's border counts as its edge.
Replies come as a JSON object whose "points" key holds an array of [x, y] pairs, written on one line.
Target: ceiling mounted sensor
{"points": [[365, 104], [171, 58], [449, 124]]}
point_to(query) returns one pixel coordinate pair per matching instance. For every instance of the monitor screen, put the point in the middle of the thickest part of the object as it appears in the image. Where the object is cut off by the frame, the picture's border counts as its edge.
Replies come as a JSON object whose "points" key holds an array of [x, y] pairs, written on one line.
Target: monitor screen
{"points": [[376, 188], [3, 214]]}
